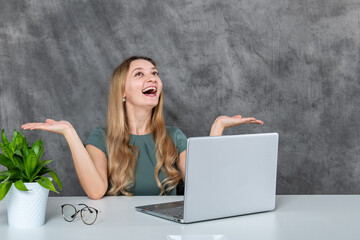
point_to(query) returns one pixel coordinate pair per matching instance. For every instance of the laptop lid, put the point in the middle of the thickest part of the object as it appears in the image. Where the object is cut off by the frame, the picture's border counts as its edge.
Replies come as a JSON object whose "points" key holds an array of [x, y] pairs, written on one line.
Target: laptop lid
{"points": [[230, 175]]}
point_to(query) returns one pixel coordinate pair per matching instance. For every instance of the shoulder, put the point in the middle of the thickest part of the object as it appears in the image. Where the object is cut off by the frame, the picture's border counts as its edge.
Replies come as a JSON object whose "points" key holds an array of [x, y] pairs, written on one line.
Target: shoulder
{"points": [[97, 138], [173, 131], [178, 138], [98, 131]]}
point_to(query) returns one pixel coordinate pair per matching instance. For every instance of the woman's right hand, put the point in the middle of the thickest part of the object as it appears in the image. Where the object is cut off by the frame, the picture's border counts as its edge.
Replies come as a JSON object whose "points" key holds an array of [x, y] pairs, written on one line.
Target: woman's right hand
{"points": [[91, 167], [61, 127]]}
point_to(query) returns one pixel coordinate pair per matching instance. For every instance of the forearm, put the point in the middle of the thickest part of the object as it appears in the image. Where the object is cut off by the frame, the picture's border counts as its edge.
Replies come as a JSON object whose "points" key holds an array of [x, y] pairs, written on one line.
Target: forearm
{"points": [[217, 128], [90, 179]]}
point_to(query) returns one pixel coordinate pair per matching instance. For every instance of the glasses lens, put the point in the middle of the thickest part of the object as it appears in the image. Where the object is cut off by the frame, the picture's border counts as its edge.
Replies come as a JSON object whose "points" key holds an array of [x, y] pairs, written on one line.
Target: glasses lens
{"points": [[69, 212], [88, 215]]}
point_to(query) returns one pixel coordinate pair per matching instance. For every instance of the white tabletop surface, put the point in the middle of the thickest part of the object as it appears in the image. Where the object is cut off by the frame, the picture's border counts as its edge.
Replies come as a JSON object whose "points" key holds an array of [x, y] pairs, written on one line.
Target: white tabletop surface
{"points": [[295, 217]]}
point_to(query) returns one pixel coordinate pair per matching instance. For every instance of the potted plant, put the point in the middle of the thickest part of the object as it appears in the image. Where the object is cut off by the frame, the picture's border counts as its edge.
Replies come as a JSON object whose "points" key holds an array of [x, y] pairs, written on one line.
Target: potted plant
{"points": [[23, 183]]}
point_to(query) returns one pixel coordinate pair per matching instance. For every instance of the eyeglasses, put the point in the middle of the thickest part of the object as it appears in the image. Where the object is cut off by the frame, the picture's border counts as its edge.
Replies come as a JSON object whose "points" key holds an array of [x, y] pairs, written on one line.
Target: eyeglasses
{"points": [[88, 214]]}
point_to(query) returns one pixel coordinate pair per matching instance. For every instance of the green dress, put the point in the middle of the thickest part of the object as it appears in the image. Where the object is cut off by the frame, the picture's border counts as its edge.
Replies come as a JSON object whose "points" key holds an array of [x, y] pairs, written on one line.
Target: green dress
{"points": [[145, 183]]}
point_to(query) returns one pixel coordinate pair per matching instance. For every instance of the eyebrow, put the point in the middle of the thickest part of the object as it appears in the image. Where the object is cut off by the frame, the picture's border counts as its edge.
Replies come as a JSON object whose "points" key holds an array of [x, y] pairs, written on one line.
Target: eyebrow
{"points": [[142, 69]]}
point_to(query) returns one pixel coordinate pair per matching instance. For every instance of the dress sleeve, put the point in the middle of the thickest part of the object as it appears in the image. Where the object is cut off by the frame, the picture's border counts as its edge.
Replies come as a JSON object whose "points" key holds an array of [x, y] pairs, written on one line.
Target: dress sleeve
{"points": [[97, 138], [178, 138]]}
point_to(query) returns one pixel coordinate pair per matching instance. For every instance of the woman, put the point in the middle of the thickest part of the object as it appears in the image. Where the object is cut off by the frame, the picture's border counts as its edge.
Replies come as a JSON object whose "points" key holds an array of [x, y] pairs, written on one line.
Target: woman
{"points": [[137, 154]]}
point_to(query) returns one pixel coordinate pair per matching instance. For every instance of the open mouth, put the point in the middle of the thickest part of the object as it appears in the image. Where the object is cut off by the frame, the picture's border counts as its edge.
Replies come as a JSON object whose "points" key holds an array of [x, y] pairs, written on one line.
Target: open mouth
{"points": [[149, 91]]}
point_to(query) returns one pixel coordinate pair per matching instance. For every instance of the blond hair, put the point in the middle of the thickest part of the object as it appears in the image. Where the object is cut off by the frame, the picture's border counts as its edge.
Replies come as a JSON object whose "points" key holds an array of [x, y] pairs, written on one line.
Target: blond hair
{"points": [[122, 156]]}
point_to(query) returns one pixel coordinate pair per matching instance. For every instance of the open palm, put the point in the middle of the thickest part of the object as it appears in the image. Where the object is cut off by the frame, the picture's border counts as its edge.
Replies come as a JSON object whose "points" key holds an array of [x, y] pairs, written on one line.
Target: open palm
{"points": [[49, 125], [237, 120]]}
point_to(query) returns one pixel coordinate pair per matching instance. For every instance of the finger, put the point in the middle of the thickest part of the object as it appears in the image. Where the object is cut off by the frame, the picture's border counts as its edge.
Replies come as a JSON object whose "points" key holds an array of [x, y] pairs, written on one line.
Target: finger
{"points": [[253, 120], [44, 126], [24, 126], [50, 120], [37, 126], [237, 116], [247, 120], [29, 125], [257, 122]]}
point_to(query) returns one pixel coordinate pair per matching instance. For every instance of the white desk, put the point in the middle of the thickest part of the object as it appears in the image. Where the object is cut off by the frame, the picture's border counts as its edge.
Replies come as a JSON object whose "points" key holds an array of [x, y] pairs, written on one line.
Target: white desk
{"points": [[296, 217]]}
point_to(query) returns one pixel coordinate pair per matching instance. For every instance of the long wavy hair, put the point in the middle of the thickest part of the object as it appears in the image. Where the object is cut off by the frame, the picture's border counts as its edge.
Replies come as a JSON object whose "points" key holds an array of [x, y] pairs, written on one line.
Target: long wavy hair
{"points": [[122, 156]]}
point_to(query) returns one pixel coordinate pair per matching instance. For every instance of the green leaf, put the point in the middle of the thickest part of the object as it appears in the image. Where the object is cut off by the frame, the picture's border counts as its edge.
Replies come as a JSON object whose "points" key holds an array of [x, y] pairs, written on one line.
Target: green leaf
{"points": [[25, 142], [12, 147], [6, 162], [19, 141], [21, 174], [15, 174], [20, 185], [36, 147], [4, 175], [18, 152], [39, 166], [46, 183], [44, 171], [18, 161], [3, 138], [14, 137], [40, 153], [4, 189], [56, 179], [30, 163], [25, 151], [6, 151]]}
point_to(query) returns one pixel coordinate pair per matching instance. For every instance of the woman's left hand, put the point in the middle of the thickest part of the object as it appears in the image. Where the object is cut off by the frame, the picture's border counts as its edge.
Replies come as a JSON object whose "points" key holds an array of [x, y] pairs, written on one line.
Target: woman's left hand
{"points": [[223, 122]]}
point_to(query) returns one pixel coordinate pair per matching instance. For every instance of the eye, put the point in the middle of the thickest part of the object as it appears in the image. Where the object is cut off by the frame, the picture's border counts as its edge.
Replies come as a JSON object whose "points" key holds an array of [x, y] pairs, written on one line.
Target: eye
{"points": [[138, 74], [155, 73]]}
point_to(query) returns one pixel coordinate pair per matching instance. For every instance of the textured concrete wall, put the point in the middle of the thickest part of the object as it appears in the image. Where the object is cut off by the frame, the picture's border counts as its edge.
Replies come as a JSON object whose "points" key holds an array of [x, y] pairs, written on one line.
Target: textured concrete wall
{"points": [[292, 63]]}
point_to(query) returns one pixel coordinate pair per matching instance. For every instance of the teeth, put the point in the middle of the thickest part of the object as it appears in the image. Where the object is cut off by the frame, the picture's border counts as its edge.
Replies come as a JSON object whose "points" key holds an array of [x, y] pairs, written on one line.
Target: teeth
{"points": [[153, 89]]}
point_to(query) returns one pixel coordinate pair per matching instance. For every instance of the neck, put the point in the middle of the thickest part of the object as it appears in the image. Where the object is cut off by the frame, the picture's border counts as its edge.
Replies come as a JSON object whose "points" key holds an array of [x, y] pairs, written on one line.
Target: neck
{"points": [[139, 120]]}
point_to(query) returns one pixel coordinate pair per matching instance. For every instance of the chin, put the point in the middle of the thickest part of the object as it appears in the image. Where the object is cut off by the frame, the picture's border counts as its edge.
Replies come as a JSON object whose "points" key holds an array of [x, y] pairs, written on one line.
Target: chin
{"points": [[153, 105]]}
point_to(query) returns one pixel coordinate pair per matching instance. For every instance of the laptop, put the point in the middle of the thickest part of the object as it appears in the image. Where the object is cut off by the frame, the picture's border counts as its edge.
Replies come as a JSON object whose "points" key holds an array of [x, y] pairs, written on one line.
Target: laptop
{"points": [[226, 176]]}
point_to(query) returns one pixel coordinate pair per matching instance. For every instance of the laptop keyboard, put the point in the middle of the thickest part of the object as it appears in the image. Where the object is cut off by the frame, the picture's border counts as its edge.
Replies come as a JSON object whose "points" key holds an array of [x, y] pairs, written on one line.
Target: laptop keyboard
{"points": [[170, 209], [176, 212]]}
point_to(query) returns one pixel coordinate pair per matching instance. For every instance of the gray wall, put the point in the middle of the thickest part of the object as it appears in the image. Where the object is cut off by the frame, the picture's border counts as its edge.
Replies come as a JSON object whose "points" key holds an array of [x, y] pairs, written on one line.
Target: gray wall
{"points": [[292, 63]]}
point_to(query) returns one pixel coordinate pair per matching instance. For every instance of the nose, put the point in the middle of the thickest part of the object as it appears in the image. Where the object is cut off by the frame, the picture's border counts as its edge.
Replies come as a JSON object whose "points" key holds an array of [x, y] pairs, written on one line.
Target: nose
{"points": [[152, 78]]}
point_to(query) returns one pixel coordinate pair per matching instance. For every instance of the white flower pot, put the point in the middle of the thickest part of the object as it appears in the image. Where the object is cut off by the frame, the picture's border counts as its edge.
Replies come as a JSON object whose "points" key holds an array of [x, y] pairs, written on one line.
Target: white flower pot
{"points": [[27, 209]]}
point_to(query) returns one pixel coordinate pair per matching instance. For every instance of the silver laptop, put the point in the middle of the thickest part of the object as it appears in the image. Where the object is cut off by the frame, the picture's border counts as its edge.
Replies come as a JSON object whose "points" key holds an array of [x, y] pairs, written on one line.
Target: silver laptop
{"points": [[225, 176]]}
